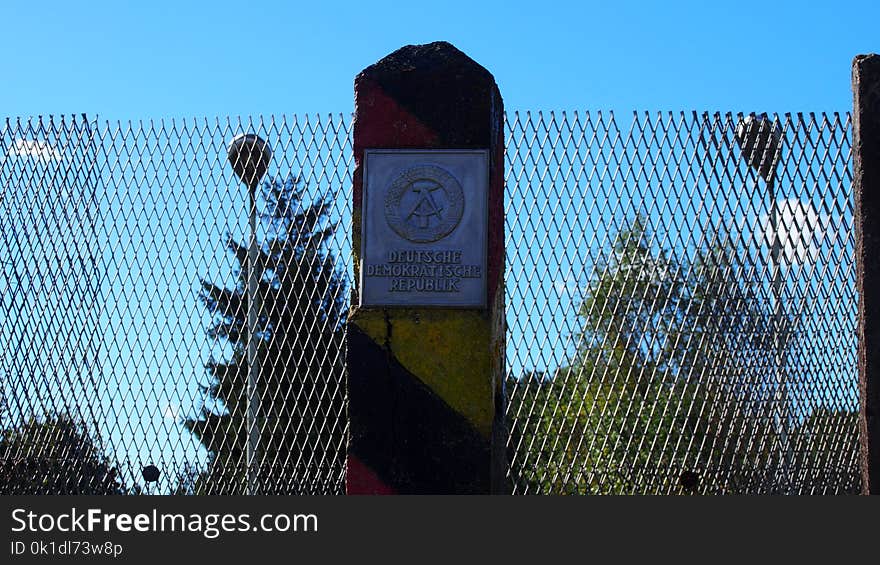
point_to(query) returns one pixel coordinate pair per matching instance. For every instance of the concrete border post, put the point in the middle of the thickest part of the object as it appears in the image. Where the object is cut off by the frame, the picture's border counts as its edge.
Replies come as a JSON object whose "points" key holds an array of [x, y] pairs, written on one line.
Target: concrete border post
{"points": [[425, 382]]}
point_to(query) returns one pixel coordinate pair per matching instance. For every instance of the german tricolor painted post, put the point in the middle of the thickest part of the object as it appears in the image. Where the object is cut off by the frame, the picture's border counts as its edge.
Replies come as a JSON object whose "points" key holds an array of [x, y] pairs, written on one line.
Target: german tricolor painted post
{"points": [[426, 331]]}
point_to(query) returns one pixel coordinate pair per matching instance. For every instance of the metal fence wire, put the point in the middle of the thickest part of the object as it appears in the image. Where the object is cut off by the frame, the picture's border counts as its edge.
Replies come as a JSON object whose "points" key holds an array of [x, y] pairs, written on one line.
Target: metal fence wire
{"points": [[680, 305]]}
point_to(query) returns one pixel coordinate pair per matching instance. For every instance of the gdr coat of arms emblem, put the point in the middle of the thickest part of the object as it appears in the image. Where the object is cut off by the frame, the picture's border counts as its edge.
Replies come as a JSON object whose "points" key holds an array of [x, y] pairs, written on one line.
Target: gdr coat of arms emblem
{"points": [[424, 203]]}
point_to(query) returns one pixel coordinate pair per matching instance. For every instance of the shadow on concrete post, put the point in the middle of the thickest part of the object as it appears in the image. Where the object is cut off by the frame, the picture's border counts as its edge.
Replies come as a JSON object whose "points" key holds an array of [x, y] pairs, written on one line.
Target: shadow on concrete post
{"points": [[426, 335], [866, 190]]}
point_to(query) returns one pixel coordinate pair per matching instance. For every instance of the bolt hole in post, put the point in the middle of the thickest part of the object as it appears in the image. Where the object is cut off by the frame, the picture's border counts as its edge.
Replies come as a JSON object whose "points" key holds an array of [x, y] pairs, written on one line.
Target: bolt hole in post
{"points": [[249, 156], [759, 139]]}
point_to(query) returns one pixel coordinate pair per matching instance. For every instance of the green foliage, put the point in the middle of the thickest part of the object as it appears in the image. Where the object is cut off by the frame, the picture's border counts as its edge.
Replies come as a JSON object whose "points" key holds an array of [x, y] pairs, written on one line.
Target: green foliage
{"points": [[300, 348], [668, 391], [55, 455]]}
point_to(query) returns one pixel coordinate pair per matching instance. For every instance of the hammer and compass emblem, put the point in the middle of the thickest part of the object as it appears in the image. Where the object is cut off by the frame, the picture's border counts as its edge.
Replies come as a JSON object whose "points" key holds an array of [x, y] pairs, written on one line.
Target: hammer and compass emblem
{"points": [[424, 203]]}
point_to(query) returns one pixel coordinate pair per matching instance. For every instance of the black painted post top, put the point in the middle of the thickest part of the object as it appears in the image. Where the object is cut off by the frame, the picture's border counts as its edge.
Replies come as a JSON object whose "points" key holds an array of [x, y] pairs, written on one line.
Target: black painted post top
{"points": [[450, 93]]}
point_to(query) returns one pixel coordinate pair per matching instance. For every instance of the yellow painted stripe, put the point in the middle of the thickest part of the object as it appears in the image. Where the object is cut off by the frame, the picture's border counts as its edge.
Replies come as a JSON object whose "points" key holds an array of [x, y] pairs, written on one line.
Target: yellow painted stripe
{"points": [[448, 350], [372, 322]]}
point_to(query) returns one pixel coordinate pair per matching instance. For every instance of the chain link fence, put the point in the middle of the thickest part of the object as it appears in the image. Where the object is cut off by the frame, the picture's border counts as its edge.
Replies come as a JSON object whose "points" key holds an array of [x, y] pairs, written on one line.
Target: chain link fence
{"points": [[680, 293]]}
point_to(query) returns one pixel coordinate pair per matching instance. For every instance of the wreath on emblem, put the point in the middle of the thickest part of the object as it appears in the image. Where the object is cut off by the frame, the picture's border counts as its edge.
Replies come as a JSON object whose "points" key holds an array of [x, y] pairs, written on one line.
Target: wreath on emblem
{"points": [[424, 204]]}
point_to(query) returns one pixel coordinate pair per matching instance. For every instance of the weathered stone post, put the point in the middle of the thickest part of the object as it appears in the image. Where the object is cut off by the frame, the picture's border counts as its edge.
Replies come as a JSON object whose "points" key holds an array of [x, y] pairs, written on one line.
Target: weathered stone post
{"points": [[425, 356], [866, 190]]}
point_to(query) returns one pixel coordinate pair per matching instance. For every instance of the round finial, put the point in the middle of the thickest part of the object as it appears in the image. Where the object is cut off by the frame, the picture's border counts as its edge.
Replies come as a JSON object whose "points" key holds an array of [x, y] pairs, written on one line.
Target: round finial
{"points": [[249, 155], [758, 138], [150, 473]]}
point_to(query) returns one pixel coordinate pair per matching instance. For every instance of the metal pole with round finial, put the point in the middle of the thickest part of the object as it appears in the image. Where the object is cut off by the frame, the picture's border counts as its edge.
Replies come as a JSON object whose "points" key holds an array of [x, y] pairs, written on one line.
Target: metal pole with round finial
{"points": [[760, 140], [249, 156]]}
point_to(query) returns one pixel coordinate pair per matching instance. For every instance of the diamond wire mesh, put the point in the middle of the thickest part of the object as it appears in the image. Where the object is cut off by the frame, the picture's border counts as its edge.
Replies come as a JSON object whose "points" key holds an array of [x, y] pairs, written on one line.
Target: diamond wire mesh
{"points": [[168, 233], [681, 321], [660, 338]]}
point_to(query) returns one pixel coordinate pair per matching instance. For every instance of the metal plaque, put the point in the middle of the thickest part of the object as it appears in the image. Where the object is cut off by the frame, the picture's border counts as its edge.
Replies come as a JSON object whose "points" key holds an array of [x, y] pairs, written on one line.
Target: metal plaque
{"points": [[424, 228]]}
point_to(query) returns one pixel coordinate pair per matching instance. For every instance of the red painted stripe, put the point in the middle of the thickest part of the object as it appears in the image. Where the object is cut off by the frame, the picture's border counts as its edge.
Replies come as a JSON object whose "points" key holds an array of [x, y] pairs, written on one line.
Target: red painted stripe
{"points": [[360, 479], [381, 123]]}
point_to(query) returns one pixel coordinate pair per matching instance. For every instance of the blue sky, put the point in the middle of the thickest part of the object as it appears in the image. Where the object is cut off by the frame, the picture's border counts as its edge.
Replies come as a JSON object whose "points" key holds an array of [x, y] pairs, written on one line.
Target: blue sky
{"points": [[162, 59]]}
